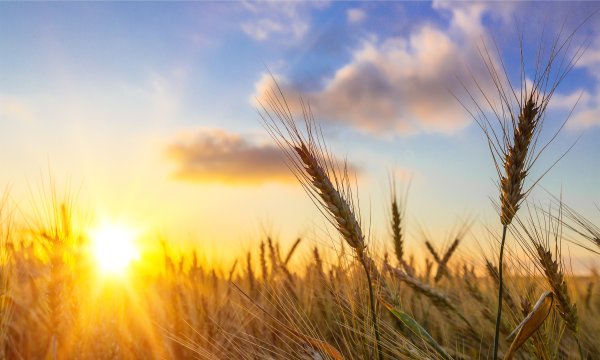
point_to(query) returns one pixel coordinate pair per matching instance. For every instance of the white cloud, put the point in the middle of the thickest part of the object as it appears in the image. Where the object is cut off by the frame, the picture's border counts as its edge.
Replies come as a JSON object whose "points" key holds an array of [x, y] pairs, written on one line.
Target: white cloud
{"points": [[401, 85], [355, 16], [466, 17], [591, 57], [587, 112], [570, 101], [586, 118], [285, 20], [586, 105], [262, 29]]}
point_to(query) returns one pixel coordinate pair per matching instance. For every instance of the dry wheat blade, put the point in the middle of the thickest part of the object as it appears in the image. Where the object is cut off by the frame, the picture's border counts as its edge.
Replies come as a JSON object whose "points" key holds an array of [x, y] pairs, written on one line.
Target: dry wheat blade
{"points": [[531, 323]]}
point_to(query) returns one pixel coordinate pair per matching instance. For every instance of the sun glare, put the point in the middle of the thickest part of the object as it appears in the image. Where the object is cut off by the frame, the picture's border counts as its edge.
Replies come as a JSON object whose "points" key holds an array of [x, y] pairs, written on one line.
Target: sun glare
{"points": [[114, 248]]}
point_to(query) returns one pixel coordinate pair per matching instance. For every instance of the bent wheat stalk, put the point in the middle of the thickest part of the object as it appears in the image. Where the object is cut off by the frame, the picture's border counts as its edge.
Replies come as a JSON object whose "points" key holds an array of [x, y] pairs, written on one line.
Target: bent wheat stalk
{"points": [[439, 299], [323, 180]]}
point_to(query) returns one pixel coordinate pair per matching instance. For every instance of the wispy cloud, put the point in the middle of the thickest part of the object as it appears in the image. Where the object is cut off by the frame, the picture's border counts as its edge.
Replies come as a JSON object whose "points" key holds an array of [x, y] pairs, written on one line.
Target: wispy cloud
{"points": [[355, 15], [586, 118], [466, 16], [277, 19], [586, 106], [587, 112]]}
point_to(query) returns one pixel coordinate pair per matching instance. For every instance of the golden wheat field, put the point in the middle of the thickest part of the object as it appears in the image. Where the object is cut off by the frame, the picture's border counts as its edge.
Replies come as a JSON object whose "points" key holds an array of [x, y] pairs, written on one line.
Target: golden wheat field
{"points": [[425, 177]]}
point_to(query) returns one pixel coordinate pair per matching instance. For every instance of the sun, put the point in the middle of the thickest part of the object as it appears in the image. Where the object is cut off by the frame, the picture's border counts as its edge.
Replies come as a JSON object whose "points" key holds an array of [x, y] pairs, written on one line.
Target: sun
{"points": [[114, 248]]}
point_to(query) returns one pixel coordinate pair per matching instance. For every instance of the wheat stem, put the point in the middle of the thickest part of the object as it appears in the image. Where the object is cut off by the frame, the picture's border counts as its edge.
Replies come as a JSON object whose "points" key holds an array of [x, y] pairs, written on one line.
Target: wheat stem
{"points": [[500, 288], [373, 313]]}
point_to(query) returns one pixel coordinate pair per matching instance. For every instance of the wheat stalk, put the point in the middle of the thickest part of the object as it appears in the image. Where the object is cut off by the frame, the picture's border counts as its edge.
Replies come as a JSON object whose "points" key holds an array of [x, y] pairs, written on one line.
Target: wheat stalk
{"points": [[515, 158], [556, 279], [292, 251], [315, 168], [583, 227], [537, 236], [439, 299], [494, 275], [263, 262], [250, 274], [433, 252], [397, 217], [443, 264], [397, 230], [339, 208], [520, 118]]}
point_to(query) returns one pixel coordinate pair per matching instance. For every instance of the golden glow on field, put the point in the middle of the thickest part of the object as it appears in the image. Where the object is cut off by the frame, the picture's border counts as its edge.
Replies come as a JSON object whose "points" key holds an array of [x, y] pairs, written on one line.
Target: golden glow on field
{"points": [[114, 248]]}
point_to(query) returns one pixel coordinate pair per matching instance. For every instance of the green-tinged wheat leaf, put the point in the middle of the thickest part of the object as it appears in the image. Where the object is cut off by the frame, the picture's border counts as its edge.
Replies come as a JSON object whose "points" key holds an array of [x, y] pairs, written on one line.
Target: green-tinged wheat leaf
{"points": [[416, 328], [531, 323]]}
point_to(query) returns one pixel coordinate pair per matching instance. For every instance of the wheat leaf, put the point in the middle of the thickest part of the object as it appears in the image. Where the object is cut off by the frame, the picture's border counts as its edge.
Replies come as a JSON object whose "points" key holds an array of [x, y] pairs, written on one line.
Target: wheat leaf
{"points": [[416, 328], [531, 323]]}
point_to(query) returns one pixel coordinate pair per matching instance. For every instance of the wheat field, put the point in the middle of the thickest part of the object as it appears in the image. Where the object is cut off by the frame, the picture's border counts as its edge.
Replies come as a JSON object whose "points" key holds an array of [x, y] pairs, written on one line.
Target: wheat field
{"points": [[263, 308], [515, 298]]}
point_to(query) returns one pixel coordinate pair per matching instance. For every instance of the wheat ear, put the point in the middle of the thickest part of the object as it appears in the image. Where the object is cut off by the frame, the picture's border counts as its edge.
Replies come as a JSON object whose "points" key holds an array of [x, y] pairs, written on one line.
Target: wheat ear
{"points": [[556, 279], [397, 218]]}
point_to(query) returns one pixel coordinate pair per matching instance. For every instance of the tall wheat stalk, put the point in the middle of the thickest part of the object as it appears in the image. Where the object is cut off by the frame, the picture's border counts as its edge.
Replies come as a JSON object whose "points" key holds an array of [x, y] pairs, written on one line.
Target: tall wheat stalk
{"points": [[326, 183], [513, 134]]}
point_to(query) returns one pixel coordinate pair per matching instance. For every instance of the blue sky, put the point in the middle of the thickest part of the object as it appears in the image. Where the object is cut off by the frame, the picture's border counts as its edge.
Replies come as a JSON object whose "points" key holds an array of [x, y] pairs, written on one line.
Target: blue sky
{"points": [[151, 107]]}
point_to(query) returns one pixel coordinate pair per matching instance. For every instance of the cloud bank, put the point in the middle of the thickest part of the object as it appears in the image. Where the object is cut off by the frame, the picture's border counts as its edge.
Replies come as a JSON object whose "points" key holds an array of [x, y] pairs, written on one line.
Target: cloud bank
{"points": [[217, 156], [402, 84]]}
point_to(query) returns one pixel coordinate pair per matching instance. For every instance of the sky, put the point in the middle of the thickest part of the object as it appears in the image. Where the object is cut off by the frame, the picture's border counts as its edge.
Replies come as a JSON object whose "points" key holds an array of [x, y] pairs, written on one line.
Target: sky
{"points": [[148, 110]]}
